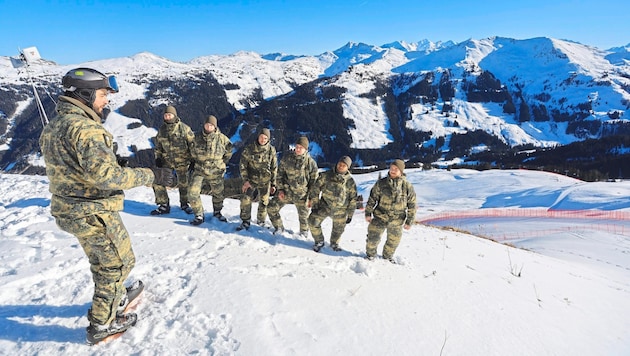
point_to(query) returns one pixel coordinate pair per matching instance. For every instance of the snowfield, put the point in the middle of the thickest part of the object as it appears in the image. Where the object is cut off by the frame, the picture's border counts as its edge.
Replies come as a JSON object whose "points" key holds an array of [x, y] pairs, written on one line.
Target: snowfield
{"points": [[213, 291]]}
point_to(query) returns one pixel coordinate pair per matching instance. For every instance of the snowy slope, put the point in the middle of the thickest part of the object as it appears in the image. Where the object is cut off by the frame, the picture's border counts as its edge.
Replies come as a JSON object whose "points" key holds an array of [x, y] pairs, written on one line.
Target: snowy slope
{"points": [[212, 291]]}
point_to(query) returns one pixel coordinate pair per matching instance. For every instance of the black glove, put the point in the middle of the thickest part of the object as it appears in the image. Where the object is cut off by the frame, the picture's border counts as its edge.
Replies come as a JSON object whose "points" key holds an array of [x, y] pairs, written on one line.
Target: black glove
{"points": [[123, 162], [348, 220], [252, 193], [159, 162], [191, 167], [164, 176]]}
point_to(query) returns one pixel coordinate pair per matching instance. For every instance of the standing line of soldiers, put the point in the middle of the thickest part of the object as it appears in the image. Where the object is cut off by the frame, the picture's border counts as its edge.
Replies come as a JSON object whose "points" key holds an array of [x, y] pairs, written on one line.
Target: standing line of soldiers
{"points": [[201, 159]]}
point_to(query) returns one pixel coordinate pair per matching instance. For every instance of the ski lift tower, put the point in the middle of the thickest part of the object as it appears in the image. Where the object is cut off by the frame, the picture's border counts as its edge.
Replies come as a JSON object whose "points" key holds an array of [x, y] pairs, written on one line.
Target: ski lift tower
{"points": [[28, 56]]}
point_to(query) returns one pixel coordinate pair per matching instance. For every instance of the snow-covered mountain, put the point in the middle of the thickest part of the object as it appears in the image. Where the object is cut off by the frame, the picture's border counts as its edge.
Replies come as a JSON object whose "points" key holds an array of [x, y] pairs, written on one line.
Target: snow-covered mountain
{"points": [[410, 100]]}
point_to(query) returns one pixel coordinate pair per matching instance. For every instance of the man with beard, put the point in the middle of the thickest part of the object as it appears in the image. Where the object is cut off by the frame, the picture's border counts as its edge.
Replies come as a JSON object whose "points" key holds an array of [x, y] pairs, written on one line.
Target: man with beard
{"points": [[86, 183]]}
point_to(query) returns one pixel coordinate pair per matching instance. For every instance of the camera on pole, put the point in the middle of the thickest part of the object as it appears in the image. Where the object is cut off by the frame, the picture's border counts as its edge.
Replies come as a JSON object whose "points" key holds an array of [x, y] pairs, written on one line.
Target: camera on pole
{"points": [[27, 57]]}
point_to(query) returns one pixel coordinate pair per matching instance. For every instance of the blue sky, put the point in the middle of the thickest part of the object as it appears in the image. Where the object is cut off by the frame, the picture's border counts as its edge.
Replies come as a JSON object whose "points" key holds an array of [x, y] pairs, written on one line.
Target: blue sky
{"points": [[72, 32]]}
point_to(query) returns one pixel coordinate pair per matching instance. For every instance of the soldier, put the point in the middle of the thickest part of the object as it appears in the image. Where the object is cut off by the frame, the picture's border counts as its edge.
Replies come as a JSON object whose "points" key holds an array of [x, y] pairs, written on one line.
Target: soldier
{"points": [[334, 195], [86, 183], [211, 151], [392, 205], [297, 174], [258, 167], [172, 150]]}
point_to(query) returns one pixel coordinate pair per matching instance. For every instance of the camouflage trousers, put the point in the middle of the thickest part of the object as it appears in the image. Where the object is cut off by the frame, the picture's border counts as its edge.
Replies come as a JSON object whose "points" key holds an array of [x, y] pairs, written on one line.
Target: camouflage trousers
{"points": [[263, 202], [375, 231], [107, 245], [276, 204], [213, 186], [161, 195], [338, 220]]}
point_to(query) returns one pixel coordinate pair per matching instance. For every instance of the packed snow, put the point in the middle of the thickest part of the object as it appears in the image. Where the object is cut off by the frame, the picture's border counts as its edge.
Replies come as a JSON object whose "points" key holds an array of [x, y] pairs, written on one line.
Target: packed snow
{"points": [[214, 291]]}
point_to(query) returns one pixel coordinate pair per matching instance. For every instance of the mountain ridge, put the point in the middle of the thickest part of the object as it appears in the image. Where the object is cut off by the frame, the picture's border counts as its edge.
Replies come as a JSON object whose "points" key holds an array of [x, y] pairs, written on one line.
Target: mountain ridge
{"points": [[542, 92]]}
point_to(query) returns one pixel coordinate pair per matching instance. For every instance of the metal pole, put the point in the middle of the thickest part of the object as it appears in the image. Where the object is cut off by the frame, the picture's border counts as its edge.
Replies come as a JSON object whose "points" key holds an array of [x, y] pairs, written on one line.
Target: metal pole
{"points": [[40, 107]]}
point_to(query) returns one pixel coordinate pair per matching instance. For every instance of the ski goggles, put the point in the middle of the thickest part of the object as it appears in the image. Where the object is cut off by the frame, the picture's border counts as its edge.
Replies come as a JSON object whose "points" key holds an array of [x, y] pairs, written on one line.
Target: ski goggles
{"points": [[112, 84]]}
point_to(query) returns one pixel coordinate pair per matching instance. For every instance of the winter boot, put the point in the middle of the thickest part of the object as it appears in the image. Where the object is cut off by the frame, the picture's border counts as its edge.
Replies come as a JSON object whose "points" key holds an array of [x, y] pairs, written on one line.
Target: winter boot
{"points": [[219, 216], [133, 292], [97, 333], [161, 209], [187, 208], [318, 246], [243, 226], [335, 247], [390, 259], [197, 220]]}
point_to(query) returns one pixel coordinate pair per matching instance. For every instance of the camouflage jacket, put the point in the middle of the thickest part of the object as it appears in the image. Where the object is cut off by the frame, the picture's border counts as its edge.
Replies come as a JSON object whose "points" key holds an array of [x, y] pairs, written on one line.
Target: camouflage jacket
{"points": [[211, 152], [172, 144], [84, 175], [336, 191], [297, 174], [259, 164], [392, 199]]}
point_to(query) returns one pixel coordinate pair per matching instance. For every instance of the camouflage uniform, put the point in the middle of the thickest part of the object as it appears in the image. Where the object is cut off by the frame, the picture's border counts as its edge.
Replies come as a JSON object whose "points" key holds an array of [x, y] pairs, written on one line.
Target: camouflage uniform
{"points": [[259, 167], [172, 147], [338, 199], [86, 183], [391, 205], [211, 153], [297, 174]]}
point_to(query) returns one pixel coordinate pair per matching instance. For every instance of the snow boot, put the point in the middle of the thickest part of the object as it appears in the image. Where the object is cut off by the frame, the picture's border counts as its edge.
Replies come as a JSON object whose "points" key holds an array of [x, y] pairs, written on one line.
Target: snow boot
{"points": [[161, 210], [243, 226], [318, 246], [133, 291], [97, 333], [187, 208], [335, 247], [219, 216], [197, 220], [390, 259]]}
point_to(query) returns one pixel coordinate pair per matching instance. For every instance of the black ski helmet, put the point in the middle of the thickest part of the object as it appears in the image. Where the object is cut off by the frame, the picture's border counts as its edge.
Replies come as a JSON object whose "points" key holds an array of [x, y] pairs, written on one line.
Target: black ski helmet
{"points": [[82, 83]]}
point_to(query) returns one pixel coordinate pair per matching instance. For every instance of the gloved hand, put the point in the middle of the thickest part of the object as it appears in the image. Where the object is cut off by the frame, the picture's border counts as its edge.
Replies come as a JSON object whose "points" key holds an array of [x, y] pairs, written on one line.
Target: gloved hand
{"points": [[164, 176], [191, 168], [159, 162], [349, 219], [122, 161]]}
